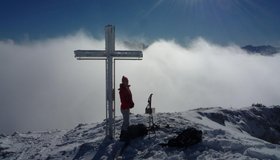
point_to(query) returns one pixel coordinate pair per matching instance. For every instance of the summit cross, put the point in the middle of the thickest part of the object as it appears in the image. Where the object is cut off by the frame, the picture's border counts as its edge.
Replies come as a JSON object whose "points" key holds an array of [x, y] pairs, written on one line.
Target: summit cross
{"points": [[109, 55]]}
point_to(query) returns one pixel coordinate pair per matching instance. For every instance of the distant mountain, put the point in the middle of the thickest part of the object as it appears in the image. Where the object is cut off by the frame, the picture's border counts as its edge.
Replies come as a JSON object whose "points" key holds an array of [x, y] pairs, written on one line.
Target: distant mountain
{"points": [[135, 45], [265, 50], [247, 133]]}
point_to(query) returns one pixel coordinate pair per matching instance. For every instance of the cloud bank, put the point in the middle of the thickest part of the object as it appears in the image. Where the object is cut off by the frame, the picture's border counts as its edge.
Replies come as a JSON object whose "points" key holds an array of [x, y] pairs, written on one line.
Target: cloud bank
{"points": [[44, 87]]}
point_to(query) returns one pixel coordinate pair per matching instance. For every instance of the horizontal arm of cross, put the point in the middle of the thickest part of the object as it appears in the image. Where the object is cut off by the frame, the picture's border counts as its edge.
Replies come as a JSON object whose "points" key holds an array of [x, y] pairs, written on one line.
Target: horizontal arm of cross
{"points": [[90, 53], [101, 54], [127, 54]]}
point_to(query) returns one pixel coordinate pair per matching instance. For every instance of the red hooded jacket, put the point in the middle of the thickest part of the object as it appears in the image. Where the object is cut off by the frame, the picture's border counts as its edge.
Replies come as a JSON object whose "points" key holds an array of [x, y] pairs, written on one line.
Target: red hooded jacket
{"points": [[126, 97]]}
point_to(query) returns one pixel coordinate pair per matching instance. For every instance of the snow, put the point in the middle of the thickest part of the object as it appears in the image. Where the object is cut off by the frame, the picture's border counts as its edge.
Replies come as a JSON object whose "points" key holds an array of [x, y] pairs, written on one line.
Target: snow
{"points": [[246, 133]]}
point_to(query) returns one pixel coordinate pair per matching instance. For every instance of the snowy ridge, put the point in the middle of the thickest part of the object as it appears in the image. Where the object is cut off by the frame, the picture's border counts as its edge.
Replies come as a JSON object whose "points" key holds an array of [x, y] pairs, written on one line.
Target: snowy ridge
{"points": [[261, 122], [249, 133]]}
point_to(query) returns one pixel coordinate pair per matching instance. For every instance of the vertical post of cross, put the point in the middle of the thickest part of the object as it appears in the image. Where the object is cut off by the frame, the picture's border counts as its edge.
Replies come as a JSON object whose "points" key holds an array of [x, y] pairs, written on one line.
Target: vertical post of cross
{"points": [[110, 49]]}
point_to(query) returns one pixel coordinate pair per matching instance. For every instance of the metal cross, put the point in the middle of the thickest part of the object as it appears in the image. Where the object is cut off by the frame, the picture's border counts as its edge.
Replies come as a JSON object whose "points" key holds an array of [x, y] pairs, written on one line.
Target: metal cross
{"points": [[109, 55]]}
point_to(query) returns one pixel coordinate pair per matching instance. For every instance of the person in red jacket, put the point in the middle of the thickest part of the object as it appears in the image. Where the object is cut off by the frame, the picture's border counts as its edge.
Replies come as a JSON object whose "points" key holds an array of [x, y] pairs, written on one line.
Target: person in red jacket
{"points": [[126, 103]]}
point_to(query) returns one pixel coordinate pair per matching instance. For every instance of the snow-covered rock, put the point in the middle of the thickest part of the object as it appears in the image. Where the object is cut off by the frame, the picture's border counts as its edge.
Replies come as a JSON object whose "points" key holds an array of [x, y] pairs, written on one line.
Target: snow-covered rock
{"points": [[248, 133], [261, 122]]}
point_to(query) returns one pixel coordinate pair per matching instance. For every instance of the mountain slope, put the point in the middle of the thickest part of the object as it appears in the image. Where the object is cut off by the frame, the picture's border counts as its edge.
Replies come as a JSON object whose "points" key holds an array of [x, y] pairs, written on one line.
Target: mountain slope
{"points": [[227, 134], [265, 50]]}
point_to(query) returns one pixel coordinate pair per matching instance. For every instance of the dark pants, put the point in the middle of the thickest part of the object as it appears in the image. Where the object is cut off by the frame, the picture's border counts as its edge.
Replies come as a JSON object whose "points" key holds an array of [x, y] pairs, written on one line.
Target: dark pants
{"points": [[125, 113]]}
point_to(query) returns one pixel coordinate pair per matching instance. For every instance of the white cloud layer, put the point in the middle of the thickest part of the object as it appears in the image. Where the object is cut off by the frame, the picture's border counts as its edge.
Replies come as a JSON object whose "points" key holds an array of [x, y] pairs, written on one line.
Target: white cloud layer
{"points": [[44, 87]]}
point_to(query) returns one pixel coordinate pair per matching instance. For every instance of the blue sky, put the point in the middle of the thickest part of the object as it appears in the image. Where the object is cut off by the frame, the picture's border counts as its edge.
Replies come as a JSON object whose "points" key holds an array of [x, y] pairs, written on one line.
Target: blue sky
{"points": [[220, 21]]}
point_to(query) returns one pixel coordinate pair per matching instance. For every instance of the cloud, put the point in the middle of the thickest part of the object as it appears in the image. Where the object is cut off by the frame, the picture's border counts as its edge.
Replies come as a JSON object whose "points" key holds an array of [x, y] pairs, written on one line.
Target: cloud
{"points": [[44, 87], [204, 75]]}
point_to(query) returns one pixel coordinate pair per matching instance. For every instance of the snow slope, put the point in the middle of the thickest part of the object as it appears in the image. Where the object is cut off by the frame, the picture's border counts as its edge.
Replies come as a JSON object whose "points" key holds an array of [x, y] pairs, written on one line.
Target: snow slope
{"points": [[248, 133]]}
